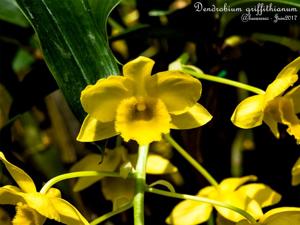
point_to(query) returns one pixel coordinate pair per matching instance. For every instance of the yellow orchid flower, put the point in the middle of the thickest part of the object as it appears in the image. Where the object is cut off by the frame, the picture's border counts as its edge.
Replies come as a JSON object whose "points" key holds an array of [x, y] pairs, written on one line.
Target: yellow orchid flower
{"points": [[32, 207], [139, 106], [118, 190], [278, 216], [249, 197], [274, 106]]}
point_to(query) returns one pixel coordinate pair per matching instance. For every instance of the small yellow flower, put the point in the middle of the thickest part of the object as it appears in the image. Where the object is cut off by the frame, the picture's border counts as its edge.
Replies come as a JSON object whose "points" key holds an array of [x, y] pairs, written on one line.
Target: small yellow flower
{"points": [[139, 106], [118, 190], [278, 216], [249, 197], [274, 106], [32, 207]]}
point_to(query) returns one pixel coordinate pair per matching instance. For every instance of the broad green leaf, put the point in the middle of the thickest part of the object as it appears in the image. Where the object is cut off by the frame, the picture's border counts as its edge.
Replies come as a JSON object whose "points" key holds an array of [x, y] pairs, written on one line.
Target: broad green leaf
{"points": [[101, 9], [10, 12], [76, 52]]}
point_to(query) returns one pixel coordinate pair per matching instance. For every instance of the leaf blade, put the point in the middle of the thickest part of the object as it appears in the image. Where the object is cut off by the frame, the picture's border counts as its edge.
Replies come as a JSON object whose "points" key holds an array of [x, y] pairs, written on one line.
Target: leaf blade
{"points": [[10, 12], [76, 53]]}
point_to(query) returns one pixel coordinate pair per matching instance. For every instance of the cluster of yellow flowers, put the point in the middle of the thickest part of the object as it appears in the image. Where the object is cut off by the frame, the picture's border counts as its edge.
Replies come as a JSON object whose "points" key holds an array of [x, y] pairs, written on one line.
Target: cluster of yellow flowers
{"points": [[142, 107]]}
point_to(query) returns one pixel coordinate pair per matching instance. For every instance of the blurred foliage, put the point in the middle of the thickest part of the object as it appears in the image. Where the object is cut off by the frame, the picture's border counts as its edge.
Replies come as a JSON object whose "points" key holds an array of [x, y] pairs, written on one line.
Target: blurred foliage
{"points": [[38, 127]]}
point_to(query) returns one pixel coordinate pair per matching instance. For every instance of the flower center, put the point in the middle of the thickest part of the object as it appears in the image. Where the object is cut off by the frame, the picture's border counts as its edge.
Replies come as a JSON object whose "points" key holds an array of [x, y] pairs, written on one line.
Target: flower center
{"points": [[143, 119], [141, 106], [143, 109]]}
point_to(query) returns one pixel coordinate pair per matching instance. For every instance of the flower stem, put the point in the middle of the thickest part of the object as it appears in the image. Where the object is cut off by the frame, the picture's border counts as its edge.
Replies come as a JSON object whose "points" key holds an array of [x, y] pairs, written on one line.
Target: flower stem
{"points": [[140, 182], [66, 176], [203, 200], [223, 81], [110, 214], [191, 160]]}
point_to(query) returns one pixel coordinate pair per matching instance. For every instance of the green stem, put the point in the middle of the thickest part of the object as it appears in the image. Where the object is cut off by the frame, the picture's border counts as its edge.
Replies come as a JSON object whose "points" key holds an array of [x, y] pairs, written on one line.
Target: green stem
{"points": [[110, 214], [66, 176], [140, 182], [191, 160], [203, 200], [223, 81]]}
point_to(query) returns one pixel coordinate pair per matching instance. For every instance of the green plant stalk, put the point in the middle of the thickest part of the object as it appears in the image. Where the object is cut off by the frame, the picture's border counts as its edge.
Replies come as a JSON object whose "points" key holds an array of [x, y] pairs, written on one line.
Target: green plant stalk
{"points": [[203, 200], [191, 160], [223, 81], [110, 214], [140, 183], [71, 175]]}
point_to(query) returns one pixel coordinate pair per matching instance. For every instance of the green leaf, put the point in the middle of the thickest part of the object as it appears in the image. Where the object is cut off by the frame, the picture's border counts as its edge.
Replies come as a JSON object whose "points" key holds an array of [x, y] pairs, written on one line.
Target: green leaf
{"points": [[10, 12], [75, 50], [100, 10]]}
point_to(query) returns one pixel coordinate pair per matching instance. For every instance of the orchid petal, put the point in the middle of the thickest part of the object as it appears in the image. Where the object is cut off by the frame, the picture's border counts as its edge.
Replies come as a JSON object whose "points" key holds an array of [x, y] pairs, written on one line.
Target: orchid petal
{"points": [[281, 216], [261, 193], [25, 215], [68, 214], [241, 201], [102, 99], [231, 184], [196, 116], [139, 71], [42, 204], [20, 176], [272, 124], [249, 113], [294, 94], [177, 90], [286, 78], [95, 162], [189, 212], [94, 130], [289, 117], [159, 165], [55, 208], [10, 195]]}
